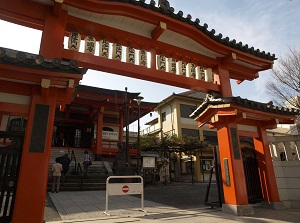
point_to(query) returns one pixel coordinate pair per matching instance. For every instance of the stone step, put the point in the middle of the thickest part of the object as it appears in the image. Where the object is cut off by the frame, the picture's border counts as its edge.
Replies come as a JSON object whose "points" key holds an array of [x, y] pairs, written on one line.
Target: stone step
{"points": [[72, 183], [97, 172]]}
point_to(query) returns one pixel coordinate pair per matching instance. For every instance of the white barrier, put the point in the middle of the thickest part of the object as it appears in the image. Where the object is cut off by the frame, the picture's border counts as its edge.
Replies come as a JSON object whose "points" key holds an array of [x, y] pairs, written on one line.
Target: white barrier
{"points": [[124, 189]]}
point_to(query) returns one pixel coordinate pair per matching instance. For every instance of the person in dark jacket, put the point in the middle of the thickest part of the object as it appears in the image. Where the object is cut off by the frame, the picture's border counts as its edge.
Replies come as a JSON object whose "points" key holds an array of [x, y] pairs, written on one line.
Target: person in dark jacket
{"points": [[65, 162]]}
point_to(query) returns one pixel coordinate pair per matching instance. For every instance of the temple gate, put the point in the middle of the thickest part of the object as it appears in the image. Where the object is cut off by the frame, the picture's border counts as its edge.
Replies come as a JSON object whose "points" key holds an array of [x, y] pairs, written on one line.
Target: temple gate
{"points": [[135, 39]]}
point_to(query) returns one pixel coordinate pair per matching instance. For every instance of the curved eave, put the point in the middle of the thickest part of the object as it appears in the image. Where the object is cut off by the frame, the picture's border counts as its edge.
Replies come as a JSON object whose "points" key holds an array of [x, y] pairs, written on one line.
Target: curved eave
{"points": [[248, 61], [192, 29], [215, 114]]}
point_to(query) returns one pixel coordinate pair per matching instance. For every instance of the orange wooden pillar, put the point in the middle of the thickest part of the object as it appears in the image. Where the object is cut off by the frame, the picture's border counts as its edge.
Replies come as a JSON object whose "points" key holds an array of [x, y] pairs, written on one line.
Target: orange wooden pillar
{"points": [[52, 43], [223, 79], [266, 171], [33, 176], [99, 146], [233, 177]]}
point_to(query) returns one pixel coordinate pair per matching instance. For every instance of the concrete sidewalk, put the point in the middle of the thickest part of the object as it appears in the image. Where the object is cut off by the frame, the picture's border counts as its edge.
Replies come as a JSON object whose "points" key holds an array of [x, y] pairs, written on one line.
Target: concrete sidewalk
{"points": [[89, 206]]}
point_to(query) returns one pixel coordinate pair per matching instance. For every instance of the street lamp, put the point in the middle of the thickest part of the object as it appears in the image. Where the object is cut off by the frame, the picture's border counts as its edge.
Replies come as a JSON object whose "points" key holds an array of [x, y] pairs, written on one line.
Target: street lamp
{"points": [[127, 128], [138, 101]]}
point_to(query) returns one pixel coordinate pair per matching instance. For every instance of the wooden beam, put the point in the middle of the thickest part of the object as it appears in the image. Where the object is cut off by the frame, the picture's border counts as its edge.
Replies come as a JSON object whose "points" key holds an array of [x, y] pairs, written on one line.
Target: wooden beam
{"points": [[45, 86], [229, 58], [139, 72], [14, 109], [57, 7], [156, 33]]}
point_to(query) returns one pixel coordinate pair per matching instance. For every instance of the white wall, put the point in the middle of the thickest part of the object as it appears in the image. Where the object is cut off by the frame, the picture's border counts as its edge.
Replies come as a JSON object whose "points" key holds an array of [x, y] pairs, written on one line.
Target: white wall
{"points": [[288, 182], [287, 172]]}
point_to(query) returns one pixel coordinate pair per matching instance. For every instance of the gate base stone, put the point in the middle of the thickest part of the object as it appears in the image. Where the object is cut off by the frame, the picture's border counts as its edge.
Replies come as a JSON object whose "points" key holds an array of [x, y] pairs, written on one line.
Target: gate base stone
{"points": [[278, 206], [240, 210]]}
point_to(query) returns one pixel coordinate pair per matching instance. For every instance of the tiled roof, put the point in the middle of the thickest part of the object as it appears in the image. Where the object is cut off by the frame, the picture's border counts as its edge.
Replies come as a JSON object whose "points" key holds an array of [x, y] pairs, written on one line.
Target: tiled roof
{"points": [[108, 92], [33, 61], [164, 8], [242, 102]]}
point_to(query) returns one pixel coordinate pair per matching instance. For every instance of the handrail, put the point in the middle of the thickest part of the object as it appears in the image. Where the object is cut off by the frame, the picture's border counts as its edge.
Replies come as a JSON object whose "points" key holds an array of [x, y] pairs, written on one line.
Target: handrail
{"points": [[73, 156], [81, 176]]}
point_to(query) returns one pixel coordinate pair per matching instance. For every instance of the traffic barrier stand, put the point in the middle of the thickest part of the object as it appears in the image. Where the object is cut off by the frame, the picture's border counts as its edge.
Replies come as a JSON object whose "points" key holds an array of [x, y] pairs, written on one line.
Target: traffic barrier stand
{"points": [[113, 189]]}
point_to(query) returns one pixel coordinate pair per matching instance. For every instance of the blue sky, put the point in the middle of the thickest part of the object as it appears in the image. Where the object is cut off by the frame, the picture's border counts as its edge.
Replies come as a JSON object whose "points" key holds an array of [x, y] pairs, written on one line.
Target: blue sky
{"points": [[269, 25]]}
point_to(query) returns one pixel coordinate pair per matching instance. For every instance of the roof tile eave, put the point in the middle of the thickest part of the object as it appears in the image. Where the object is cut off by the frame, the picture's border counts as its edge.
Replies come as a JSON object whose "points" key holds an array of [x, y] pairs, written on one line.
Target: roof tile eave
{"points": [[169, 11], [38, 62], [241, 102]]}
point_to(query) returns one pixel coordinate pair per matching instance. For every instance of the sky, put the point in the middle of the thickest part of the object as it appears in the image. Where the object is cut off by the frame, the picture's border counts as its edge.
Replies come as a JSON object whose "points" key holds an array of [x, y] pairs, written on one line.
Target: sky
{"points": [[269, 25]]}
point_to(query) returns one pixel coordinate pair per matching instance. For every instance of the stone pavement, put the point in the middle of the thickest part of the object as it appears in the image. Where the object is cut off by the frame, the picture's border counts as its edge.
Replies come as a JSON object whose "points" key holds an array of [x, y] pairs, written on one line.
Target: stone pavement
{"points": [[180, 203]]}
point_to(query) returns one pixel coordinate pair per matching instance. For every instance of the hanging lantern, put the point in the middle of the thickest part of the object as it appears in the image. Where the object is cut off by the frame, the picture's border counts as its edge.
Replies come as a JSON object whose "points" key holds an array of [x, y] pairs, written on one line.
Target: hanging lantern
{"points": [[74, 41], [90, 45], [130, 55], [104, 48], [181, 68], [117, 51], [143, 58], [172, 65], [161, 62]]}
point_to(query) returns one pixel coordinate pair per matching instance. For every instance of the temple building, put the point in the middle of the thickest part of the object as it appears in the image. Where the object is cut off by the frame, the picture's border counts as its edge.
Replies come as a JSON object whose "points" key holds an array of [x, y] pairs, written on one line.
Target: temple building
{"points": [[42, 103]]}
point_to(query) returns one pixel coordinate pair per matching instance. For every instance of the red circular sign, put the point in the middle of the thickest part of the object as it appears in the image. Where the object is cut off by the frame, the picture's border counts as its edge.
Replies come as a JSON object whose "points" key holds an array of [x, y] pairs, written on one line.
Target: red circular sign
{"points": [[125, 189]]}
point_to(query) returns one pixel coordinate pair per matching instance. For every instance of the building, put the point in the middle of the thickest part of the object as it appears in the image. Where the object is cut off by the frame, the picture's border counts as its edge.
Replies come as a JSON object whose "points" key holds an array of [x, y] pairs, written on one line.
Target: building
{"points": [[174, 118], [135, 39]]}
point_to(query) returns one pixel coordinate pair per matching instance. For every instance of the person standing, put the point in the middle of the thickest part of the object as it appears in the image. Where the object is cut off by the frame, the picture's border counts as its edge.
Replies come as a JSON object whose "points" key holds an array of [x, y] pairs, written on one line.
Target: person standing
{"points": [[56, 168], [65, 162], [86, 162]]}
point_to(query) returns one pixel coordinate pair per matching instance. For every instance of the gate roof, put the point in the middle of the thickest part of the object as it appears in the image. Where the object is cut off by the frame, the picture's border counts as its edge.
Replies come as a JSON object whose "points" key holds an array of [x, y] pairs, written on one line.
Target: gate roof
{"points": [[144, 26], [216, 109]]}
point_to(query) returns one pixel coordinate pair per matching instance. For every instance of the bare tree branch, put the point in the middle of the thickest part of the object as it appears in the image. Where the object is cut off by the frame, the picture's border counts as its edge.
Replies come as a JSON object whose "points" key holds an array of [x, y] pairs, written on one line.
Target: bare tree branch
{"points": [[284, 84]]}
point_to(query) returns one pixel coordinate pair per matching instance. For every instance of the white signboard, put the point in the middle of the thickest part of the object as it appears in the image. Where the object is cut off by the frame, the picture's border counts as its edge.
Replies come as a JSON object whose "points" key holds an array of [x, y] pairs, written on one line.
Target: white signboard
{"points": [[110, 135], [124, 189], [148, 162]]}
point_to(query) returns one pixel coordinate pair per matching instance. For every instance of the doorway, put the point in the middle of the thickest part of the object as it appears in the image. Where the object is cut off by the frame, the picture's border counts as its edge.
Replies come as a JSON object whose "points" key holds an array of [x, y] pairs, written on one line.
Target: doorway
{"points": [[251, 171]]}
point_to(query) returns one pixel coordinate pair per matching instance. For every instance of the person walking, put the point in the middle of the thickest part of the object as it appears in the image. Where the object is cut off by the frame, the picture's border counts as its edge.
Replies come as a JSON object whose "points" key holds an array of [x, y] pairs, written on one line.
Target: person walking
{"points": [[56, 168], [65, 162], [86, 162]]}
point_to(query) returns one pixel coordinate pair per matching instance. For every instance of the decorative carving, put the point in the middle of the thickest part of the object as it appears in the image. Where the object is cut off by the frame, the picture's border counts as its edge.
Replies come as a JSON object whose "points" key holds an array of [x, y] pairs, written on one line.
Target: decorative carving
{"points": [[164, 5]]}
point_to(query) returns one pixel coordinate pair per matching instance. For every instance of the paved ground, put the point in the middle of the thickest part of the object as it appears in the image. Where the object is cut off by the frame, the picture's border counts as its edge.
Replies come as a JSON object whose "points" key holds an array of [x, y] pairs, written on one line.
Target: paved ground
{"points": [[175, 203]]}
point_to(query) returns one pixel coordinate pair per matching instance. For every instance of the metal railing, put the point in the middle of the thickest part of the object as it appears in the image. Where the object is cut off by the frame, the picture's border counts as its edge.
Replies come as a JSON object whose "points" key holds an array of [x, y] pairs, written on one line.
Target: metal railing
{"points": [[78, 168]]}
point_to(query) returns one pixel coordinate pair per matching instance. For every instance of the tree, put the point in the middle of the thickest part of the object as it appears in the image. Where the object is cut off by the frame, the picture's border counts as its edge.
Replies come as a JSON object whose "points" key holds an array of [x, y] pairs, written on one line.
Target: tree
{"points": [[284, 84], [171, 143]]}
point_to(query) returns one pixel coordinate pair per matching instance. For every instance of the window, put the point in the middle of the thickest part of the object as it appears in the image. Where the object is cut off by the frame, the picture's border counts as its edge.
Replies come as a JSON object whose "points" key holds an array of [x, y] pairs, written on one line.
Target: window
{"points": [[108, 129], [190, 132], [163, 116], [186, 110], [206, 165], [210, 137], [79, 116], [110, 120]]}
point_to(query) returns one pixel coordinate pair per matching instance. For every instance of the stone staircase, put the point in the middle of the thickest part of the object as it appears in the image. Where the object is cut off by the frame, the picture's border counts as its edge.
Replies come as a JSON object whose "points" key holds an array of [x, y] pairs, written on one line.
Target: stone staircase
{"points": [[97, 172]]}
